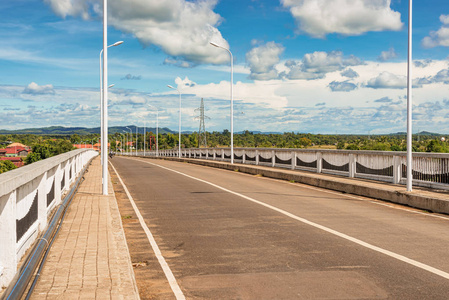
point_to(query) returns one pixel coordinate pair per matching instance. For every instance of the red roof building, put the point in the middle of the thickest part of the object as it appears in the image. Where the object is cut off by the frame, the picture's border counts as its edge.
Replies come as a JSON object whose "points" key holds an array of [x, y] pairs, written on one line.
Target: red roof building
{"points": [[14, 151], [17, 161]]}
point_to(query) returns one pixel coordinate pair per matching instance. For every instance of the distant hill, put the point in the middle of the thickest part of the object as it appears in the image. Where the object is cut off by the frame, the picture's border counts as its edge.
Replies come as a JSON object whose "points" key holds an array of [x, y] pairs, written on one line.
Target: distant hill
{"points": [[426, 133], [59, 130]]}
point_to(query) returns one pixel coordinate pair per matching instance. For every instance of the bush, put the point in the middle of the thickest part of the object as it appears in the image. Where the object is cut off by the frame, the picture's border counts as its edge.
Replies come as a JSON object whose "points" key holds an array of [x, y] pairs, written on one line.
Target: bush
{"points": [[6, 165]]}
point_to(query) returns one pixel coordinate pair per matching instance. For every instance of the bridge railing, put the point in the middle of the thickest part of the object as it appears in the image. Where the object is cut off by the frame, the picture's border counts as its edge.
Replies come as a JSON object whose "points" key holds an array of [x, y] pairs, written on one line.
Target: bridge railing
{"points": [[28, 196], [429, 169]]}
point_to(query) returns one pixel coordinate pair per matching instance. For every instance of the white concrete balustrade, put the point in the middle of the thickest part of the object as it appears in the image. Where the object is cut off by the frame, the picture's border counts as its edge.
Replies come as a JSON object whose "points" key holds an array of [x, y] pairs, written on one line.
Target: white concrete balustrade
{"points": [[28, 196], [429, 169]]}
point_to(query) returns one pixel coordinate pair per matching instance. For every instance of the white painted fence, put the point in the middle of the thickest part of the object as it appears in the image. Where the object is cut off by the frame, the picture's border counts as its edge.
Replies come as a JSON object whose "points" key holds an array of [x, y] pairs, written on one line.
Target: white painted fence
{"points": [[27, 197], [429, 169]]}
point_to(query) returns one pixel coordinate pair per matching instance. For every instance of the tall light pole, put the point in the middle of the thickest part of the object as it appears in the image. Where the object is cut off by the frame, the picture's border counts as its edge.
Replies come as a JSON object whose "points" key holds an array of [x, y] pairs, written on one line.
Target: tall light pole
{"points": [[179, 143], [144, 136], [409, 102], [131, 137], [137, 139], [101, 97], [232, 99], [105, 98], [157, 129], [126, 138]]}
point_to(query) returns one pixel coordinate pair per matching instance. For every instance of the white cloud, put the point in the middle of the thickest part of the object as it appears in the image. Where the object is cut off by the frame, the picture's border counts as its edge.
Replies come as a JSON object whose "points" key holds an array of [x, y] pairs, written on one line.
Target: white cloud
{"points": [[387, 80], [344, 86], [35, 89], [317, 64], [442, 76], [181, 28], [66, 8], [350, 73], [439, 37], [387, 55], [184, 83], [348, 17], [262, 61], [384, 100], [274, 105]]}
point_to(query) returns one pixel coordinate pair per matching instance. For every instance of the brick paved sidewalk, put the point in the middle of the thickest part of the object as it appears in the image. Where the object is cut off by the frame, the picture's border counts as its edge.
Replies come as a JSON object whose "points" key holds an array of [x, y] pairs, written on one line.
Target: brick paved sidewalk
{"points": [[89, 258]]}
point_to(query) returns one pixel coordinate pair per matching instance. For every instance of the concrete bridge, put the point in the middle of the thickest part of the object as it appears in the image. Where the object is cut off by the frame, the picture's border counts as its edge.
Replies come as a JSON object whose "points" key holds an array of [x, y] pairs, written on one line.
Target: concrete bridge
{"points": [[211, 230]]}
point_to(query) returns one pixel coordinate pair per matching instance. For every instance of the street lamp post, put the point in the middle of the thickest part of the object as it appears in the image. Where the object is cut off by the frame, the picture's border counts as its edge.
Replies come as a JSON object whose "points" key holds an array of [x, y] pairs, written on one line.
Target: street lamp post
{"points": [[104, 98], [157, 129], [125, 138], [144, 136], [409, 102], [232, 99], [137, 139], [101, 97], [179, 143], [131, 138]]}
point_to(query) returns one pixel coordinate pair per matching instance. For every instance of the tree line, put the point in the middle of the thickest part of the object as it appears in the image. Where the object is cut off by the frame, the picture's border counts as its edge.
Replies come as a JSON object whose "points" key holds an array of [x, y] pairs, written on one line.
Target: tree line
{"points": [[45, 146]]}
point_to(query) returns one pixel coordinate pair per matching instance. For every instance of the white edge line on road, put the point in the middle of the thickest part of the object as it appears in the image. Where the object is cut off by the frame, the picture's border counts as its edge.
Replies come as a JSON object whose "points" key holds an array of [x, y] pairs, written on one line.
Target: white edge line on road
{"points": [[167, 271], [324, 228]]}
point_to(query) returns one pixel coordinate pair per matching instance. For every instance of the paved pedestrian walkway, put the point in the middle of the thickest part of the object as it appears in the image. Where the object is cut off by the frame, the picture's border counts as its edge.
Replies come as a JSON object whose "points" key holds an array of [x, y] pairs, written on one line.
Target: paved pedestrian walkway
{"points": [[89, 258]]}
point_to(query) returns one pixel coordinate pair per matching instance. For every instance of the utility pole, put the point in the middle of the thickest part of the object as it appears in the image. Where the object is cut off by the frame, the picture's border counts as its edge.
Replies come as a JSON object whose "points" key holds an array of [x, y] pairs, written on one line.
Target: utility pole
{"points": [[202, 141]]}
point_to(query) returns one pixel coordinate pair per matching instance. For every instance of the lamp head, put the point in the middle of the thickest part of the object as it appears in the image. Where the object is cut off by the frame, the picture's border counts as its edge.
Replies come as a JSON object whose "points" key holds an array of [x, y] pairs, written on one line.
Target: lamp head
{"points": [[111, 85], [117, 43], [214, 44], [171, 87]]}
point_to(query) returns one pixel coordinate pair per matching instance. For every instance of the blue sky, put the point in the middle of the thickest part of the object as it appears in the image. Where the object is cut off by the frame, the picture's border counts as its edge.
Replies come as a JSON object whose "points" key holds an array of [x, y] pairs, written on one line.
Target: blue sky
{"points": [[299, 65]]}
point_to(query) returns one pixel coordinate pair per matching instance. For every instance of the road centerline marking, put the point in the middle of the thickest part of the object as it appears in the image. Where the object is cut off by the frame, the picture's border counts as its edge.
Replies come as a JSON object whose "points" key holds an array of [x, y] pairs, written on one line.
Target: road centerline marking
{"points": [[316, 225], [167, 271]]}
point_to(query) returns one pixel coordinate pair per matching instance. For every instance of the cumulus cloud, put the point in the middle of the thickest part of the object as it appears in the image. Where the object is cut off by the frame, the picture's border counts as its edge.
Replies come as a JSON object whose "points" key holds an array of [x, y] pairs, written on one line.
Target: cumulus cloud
{"points": [[348, 17], [422, 63], [178, 62], [181, 28], [317, 64], [132, 77], [344, 86], [262, 60], [439, 37], [384, 100], [387, 55], [66, 8], [442, 76], [350, 73], [35, 89], [387, 80], [183, 83]]}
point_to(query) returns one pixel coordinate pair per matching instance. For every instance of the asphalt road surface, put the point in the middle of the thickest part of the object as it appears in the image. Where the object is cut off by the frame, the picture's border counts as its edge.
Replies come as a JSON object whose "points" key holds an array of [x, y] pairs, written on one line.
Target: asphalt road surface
{"points": [[216, 234]]}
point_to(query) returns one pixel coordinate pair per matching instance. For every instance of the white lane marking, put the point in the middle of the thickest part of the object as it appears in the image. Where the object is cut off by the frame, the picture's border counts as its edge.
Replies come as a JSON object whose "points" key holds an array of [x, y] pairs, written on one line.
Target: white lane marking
{"points": [[167, 271], [324, 228]]}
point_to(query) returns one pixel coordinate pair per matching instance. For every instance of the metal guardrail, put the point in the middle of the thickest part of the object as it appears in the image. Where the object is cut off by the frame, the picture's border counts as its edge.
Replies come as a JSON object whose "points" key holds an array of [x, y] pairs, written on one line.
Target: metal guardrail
{"points": [[28, 196], [429, 169]]}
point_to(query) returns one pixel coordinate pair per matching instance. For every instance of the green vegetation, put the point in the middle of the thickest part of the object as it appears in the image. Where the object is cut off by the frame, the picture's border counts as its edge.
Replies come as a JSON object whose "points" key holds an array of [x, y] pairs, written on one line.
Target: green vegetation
{"points": [[394, 142], [48, 149], [6, 165]]}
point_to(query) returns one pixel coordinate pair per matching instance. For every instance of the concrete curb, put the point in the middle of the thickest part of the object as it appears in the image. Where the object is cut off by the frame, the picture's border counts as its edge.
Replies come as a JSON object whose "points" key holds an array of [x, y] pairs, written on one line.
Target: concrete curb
{"points": [[420, 198]]}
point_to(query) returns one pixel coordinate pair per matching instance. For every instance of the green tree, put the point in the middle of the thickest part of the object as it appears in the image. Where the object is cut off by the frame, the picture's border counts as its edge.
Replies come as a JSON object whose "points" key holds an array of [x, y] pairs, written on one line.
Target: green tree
{"points": [[6, 165]]}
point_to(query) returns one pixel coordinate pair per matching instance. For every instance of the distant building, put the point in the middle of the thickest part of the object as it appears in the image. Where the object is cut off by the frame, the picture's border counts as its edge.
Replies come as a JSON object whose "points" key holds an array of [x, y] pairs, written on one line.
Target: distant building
{"points": [[14, 151], [17, 161], [19, 145]]}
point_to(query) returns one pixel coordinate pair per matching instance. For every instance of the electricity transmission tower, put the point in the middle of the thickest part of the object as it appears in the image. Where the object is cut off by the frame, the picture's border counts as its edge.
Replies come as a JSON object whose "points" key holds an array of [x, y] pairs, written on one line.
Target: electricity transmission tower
{"points": [[202, 131]]}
